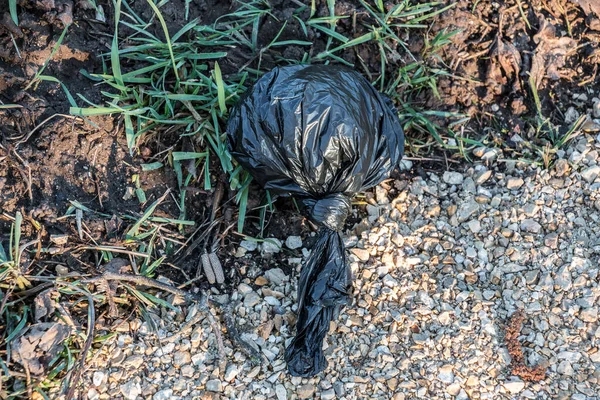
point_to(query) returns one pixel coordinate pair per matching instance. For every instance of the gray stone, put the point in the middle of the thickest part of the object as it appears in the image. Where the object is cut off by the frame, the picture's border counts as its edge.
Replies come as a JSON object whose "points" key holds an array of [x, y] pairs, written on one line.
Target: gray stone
{"points": [[446, 374], [251, 300], [271, 246], [165, 394], [389, 281], [514, 183], [571, 356], [306, 391], [381, 195], [280, 392], [180, 358], [276, 276], [293, 242], [362, 254], [531, 226], [93, 394], [98, 378], [231, 372], [131, 390], [514, 387], [590, 174], [563, 278], [589, 314], [328, 394], [453, 178], [474, 226], [405, 165], [134, 361], [482, 177], [551, 240], [214, 385], [467, 209]]}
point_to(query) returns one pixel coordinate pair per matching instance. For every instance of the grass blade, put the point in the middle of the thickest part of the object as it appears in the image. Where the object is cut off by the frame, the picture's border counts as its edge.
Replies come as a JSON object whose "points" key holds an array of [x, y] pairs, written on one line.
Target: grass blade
{"points": [[135, 228], [12, 5], [54, 50], [220, 89], [167, 37]]}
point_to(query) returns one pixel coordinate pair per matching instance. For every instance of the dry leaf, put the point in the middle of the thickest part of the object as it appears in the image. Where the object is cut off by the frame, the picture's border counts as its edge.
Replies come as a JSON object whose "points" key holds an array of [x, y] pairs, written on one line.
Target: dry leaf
{"points": [[45, 303], [589, 6], [550, 54], [40, 345]]}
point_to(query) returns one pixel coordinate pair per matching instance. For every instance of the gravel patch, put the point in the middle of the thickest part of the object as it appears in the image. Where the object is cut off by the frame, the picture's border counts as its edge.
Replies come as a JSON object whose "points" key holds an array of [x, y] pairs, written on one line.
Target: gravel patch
{"points": [[439, 269]]}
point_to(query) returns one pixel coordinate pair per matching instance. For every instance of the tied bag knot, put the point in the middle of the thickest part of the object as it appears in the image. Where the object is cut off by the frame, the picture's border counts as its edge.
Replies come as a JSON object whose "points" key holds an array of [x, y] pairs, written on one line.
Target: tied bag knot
{"points": [[330, 211]]}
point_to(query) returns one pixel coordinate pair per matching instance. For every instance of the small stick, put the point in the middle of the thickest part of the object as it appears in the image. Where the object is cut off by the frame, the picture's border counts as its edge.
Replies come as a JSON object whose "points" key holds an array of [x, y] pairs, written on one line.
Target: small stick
{"points": [[142, 280]]}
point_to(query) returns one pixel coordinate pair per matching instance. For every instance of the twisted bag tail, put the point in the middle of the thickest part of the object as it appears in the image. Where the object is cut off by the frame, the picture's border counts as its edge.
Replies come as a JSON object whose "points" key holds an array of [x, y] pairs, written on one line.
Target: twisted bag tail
{"points": [[324, 289]]}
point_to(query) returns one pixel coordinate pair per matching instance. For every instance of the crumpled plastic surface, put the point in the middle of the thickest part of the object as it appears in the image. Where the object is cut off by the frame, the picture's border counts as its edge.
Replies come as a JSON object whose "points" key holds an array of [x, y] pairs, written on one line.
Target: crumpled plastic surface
{"points": [[320, 133]]}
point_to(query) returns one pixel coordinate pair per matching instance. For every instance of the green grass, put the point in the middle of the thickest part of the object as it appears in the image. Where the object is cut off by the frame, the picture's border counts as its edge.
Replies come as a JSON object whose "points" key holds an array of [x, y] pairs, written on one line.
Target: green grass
{"points": [[176, 83]]}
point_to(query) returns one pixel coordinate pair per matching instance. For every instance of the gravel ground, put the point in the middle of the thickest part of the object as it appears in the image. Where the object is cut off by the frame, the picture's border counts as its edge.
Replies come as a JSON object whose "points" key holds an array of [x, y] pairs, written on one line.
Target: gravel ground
{"points": [[438, 271]]}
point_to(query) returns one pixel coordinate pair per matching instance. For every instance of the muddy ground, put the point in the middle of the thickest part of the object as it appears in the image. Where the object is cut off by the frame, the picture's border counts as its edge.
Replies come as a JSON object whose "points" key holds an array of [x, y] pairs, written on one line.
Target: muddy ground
{"points": [[500, 50]]}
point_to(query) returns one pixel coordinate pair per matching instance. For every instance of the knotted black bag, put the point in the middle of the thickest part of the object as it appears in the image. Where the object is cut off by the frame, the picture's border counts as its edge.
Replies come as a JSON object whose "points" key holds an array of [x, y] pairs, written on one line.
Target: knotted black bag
{"points": [[321, 134]]}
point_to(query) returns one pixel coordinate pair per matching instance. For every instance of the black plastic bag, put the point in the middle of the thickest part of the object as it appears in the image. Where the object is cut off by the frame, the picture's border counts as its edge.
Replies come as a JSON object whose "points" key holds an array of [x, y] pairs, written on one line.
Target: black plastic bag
{"points": [[321, 134]]}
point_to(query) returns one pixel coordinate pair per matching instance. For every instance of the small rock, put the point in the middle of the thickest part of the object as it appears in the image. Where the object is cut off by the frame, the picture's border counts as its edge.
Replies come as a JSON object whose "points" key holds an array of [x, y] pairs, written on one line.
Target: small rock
{"points": [[482, 177], [181, 358], [261, 281], [563, 279], [561, 167], [165, 394], [59, 240], [551, 240], [328, 394], [276, 276], [280, 392], [453, 178], [514, 386], [531, 226], [474, 226], [134, 361], [271, 246], [214, 385], [98, 378], [589, 314], [590, 174], [565, 368], [92, 394], [405, 165], [381, 195], [251, 300], [362, 254], [571, 115], [131, 390], [389, 281], [446, 374], [293, 242], [453, 389], [514, 183], [306, 391], [244, 289], [231, 372], [467, 209]]}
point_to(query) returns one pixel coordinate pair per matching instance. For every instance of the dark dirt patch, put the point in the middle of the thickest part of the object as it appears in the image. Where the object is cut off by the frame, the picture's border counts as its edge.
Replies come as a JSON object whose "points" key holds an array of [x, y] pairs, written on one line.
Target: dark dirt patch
{"points": [[501, 45]]}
